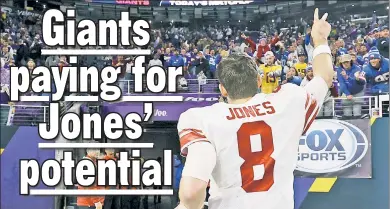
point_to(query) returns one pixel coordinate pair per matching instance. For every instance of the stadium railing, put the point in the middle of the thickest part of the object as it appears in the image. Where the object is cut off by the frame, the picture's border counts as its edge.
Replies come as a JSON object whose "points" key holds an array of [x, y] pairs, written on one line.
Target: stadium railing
{"points": [[366, 104], [384, 104], [32, 115], [23, 115], [193, 86]]}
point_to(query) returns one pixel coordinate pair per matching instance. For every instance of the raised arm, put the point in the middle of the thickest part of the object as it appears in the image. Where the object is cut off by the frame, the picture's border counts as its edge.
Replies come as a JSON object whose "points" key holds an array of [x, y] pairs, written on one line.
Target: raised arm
{"points": [[251, 43], [322, 58], [323, 71]]}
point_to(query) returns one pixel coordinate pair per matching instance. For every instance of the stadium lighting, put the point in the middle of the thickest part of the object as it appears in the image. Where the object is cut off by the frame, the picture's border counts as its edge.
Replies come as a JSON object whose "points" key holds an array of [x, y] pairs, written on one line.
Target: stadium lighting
{"points": [[44, 6], [273, 20], [239, 20], [36, 1], [353, 5], [216, 21], [387, 7], [228, 21], [250, 20], [150, 22]]}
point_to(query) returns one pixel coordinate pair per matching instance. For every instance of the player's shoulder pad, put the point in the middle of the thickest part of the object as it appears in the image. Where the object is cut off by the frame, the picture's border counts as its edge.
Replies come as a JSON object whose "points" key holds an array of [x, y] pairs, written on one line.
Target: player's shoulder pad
{"points": [[192, 116]]}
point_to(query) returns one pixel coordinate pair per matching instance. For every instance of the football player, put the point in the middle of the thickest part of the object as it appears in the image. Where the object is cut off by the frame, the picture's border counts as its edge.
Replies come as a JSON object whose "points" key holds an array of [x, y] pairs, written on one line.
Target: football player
{"points": [[248, 147]]}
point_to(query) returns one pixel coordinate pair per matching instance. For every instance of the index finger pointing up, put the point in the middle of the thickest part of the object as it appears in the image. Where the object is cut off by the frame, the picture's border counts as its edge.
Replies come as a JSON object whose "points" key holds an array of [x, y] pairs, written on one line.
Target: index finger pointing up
{"points": [[316, 14]]}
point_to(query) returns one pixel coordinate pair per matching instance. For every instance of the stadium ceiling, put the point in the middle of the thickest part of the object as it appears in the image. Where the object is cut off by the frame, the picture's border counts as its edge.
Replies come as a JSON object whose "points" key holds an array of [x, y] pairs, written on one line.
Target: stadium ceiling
{"points": [[283, 9]]}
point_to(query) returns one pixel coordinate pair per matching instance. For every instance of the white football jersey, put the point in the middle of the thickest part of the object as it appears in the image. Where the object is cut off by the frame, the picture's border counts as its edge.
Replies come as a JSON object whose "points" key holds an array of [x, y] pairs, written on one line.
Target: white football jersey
{"points": [[256, 144]]}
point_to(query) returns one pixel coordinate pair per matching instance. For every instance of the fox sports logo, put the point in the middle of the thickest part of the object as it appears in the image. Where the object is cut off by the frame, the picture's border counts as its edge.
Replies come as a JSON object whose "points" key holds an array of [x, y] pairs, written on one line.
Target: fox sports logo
{"points": [[331, 146]]}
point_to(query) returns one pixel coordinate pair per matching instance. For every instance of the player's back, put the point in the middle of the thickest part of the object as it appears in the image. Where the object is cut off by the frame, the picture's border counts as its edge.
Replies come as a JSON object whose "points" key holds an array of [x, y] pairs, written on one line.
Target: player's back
{"points": [[256, 145]]}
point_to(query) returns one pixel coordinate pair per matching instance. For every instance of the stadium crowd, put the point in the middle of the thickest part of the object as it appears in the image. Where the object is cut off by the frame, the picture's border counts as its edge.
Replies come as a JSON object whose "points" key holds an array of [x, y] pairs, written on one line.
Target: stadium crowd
{"points": [[284, 55]]}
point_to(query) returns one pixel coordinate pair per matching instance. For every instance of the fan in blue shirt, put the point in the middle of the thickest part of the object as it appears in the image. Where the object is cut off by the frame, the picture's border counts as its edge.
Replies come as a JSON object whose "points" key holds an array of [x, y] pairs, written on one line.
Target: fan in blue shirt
{"points": [[350, 77], [176, 60], [213, 62], [377, 72], [185, 57]]}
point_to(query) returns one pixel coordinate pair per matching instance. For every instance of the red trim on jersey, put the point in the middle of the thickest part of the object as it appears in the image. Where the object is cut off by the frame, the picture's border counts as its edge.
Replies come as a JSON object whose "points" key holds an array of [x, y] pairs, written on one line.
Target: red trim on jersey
{"points": [[191, 136], [310, 122], [277, 89], [311, 109], [307, 100], [190, 129]]}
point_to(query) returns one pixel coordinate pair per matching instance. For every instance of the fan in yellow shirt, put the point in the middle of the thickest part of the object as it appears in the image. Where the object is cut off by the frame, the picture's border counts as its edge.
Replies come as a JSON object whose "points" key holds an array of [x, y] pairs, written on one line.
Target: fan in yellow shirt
{"points": [[270, 73], [301, 65]]}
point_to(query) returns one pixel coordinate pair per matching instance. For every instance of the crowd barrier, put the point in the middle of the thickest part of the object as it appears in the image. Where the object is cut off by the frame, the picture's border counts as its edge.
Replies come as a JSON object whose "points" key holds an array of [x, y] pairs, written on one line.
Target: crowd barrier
{"points": [[31, 115], [383, 103], [22, 114]]}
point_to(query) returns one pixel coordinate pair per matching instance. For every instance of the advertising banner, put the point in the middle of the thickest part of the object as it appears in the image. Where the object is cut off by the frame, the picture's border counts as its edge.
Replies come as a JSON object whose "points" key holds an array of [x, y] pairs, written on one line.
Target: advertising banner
{"points": [[177, 2], [163, 111], [206, 3], [335, 148], [126, 2], [20, 12]]}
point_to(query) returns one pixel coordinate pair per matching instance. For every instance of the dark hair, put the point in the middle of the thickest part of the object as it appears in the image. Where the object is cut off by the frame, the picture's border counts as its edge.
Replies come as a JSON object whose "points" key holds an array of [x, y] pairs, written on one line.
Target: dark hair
{"points": [[238, 75], [296, 71]]}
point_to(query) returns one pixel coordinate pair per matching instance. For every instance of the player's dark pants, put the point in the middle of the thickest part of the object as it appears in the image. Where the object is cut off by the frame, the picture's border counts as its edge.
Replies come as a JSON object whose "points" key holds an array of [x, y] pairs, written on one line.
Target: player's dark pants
{"points": [[130, 202], [112, 202], [145, 202], [157, 198]]}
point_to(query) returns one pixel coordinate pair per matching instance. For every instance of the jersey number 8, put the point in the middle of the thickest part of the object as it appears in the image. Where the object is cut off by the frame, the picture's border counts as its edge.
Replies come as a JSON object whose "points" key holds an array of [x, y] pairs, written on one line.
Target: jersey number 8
{"points": [[261, 158]]}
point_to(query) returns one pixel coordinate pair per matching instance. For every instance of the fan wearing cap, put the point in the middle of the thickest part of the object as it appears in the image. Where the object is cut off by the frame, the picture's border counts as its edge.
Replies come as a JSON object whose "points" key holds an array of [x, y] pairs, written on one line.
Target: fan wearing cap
{"points": [[383, 42], [301, 65], [270, 72], [377, 72], [352, 83]]}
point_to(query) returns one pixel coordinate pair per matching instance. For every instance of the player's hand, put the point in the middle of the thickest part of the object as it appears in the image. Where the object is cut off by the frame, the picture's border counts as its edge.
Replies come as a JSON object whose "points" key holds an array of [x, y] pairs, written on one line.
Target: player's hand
{"points": [[320, 29], [343, 73], [243, 36], [284, 82], [349, 97]]}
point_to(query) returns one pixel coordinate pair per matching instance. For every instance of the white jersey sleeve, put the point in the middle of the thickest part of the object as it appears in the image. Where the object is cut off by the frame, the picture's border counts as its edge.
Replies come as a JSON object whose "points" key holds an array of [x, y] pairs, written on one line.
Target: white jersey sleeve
{"points": [[200, 161], [190, 129], [312, 94]]}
